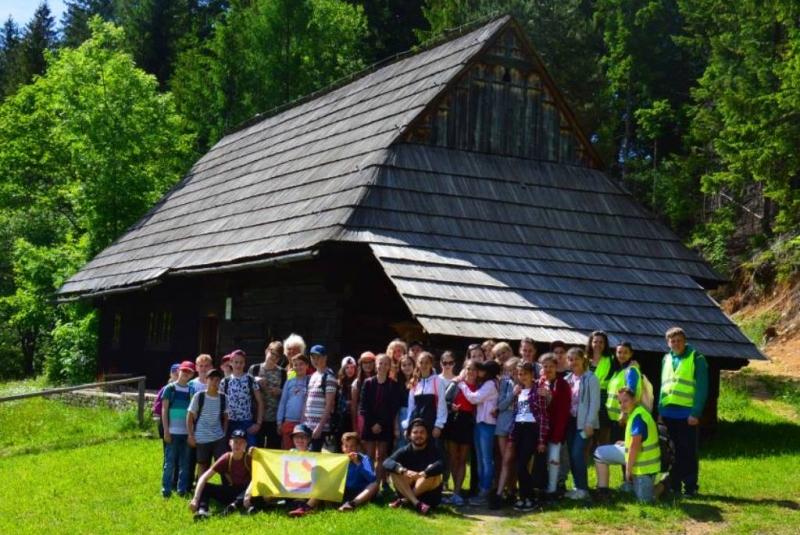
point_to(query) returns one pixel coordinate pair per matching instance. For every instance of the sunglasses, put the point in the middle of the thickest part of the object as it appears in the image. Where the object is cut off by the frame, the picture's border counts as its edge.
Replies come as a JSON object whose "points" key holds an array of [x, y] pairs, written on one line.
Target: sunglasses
{"points": [[447, 363]]}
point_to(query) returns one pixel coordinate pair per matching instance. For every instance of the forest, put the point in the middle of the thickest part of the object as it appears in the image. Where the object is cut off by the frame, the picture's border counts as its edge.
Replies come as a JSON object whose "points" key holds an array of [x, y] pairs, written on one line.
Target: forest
{"points": [[693, 105]]}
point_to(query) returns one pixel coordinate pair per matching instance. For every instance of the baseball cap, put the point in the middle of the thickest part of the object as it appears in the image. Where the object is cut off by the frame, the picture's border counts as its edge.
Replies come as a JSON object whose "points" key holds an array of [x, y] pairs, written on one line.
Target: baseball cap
{"points": [[239, 433], [366, 356], [318, 350], [215, 373], [186, 365], [175, 367], [301, 429], [347, 361]]}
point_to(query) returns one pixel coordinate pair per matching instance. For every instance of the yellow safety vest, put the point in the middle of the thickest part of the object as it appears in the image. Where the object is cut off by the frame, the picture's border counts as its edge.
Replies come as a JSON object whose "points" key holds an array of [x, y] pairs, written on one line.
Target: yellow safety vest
{"points": [[677, 385], [602, 370], [649, 459], [617, 381]]}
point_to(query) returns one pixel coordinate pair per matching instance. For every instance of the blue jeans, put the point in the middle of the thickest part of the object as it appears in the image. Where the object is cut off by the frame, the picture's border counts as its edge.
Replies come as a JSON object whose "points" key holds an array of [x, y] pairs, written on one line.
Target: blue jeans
{"points": [[484, 453], [176, 452], [243, 425], [577, 458]]}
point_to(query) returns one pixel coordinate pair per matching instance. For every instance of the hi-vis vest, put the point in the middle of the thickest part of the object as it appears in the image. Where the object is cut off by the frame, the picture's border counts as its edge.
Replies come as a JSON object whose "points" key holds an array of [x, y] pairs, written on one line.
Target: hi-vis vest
{"points": [[601, 372], [617, 381], [677, 386], [649, 459]]}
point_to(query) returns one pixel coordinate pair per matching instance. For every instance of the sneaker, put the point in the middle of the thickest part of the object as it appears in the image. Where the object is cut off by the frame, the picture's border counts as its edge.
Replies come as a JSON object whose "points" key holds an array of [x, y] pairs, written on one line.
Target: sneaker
{"points": [[603, 494], [303, 510], [523, 505], [690, 493], [577, 494], [397, 503], [201, 514], [481, 500], [229, 509], [455, 500], [422, 508], [251, 510], [183, 493]]}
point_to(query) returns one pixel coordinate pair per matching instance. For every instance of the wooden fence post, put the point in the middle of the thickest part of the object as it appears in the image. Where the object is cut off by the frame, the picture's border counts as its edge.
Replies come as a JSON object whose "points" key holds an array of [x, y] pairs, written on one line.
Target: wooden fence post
{"points": [[141, 402]]}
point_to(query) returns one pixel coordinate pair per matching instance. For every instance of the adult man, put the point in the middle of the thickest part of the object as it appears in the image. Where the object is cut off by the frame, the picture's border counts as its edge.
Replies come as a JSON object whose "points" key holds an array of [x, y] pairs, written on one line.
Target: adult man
{"points": [[322, 387], [416, 470], [235, 467], [245, 405], [684, 390]]}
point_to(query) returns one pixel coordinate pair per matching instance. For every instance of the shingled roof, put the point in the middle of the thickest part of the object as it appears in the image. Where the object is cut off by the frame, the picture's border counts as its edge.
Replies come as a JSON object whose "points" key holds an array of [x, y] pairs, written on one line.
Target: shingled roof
{"points": [[477, 242]]}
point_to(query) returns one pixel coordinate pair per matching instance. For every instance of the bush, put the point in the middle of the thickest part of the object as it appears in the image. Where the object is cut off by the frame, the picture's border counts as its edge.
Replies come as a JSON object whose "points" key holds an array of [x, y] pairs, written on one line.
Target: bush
{"points": [[73, 352]]}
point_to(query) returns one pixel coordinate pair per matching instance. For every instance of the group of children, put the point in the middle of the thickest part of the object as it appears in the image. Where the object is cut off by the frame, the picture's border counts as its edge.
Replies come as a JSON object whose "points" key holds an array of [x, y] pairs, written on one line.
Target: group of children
{"points": [[524, 423]]}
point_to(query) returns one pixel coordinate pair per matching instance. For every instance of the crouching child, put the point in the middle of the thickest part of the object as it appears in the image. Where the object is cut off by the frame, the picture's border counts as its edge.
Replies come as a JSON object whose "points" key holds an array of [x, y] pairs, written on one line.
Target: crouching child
{"points": [[235, 467]]}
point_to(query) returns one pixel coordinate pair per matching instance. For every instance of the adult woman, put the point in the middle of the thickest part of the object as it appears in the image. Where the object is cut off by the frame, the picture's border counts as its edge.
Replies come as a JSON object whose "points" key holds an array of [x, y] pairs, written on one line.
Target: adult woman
{"points": [[485, 420], [379, 403], [403, 377], [557, 391], [600, 364], [625, 373], [346, 378], [366, 369], [426, 396], [507, 478], [459, 430], [583, 419]]}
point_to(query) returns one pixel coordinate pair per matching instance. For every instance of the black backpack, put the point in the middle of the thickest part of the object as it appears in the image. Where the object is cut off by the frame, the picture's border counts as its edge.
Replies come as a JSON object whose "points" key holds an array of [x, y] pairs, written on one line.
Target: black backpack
{"points": [[339, 405], [667, 448]]}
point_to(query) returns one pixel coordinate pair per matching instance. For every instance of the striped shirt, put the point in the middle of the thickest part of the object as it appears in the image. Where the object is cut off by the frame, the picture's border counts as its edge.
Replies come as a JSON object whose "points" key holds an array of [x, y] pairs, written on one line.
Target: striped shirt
{"points": [[207, 428]]}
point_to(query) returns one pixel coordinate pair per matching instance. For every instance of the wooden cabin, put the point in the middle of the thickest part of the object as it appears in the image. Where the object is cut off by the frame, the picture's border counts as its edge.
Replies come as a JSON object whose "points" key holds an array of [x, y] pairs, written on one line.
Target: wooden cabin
{"points": [[449, 196]]}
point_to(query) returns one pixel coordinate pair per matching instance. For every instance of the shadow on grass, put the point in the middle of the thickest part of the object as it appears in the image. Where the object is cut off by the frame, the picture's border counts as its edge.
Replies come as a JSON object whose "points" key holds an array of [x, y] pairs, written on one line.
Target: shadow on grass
{"points": [[706, 512], [748, 438]]}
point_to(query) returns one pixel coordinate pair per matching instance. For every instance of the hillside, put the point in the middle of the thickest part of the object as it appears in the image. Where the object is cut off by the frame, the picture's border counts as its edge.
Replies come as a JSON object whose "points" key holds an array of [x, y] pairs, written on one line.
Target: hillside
{"points": [[773, 322]]}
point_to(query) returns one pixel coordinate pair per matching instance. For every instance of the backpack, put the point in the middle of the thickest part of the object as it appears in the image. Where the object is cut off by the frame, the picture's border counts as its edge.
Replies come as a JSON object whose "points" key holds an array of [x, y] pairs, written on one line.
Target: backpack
{"points": [[647, 393], [339, 404], [201, 399], [667, 448], [159, 402]]}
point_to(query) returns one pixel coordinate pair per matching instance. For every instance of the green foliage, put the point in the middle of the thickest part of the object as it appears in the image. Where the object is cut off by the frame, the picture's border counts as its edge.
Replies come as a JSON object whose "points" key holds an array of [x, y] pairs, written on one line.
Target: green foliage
{"points": [[86, 150], [712, 238], [264, 54]]}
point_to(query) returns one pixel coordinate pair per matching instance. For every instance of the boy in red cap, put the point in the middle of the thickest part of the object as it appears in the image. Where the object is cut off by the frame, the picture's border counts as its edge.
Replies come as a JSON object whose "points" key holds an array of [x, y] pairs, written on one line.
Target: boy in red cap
{"points": [[175, 405]]}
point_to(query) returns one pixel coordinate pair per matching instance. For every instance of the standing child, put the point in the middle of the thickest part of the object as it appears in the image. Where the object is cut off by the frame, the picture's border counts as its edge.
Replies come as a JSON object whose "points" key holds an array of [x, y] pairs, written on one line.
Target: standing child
{"points": [[271, 379], [207, 422], [293, 400], [530, 436], [175, 405], [245, 405]]}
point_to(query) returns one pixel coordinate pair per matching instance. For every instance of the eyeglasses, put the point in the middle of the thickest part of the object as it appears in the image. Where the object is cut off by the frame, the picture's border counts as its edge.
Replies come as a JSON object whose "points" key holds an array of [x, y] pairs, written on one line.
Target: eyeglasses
{"points": [[447, 362]]}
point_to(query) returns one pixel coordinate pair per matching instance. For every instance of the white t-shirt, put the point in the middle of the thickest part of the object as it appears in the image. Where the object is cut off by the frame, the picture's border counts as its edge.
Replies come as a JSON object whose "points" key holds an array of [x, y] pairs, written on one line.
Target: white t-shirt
{"points": [[524, 414]]}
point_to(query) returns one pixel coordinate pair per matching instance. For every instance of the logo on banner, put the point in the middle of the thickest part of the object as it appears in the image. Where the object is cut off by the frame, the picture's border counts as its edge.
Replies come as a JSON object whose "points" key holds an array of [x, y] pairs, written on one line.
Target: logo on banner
{"points": [[298, 474]]}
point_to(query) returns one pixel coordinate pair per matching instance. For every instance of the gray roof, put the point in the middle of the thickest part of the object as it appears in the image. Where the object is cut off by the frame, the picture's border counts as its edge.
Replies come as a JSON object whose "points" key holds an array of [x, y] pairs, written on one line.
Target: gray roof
{"points": [[476, 244]]}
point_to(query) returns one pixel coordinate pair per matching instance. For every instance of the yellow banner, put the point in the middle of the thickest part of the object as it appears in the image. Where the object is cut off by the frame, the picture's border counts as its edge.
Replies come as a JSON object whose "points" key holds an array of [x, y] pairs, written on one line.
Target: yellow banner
{"points": [[296, 474]]}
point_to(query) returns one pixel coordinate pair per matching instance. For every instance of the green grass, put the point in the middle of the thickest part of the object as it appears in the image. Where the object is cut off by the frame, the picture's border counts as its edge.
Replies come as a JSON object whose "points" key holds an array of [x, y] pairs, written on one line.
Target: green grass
{"points": [[40, 424], [62, 479], [755, 326]]}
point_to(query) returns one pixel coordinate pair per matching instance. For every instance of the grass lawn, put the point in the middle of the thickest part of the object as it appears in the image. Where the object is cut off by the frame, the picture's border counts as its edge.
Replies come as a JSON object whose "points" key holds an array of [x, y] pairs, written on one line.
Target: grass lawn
{"points": [[88, 471]]}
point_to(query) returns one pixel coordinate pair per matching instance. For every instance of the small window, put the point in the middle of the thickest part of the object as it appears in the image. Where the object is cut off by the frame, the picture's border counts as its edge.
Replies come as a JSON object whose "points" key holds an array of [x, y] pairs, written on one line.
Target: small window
{"points": [[159, 330]]}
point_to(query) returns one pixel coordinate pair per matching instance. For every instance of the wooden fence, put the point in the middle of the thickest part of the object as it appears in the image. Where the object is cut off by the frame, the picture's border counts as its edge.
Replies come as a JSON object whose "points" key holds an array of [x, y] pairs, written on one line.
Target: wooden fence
{"points": [[139, 380]]}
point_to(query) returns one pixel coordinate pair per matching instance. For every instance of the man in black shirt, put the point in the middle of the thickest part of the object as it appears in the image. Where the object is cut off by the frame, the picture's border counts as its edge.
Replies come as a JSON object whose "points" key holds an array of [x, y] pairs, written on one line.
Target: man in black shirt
{"points": [[416, 470]]}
